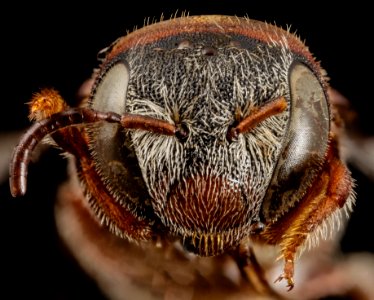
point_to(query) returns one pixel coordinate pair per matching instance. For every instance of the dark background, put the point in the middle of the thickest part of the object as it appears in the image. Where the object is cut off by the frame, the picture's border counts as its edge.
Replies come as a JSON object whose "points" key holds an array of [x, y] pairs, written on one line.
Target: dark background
{"points": [[56, 46]]}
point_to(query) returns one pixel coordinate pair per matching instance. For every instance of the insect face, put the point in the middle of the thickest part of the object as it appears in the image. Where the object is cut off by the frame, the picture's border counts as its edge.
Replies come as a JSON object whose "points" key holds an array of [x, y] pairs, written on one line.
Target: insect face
{"points": [[204, 187], [209, 129]]}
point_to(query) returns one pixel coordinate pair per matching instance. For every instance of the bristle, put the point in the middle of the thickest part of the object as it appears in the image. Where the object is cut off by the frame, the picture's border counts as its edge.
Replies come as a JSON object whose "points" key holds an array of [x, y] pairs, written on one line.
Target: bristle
{"points": [[329, 227]]}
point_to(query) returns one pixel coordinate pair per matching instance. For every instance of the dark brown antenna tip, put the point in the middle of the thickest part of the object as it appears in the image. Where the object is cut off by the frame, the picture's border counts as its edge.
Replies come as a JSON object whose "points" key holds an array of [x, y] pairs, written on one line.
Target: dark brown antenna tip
{"points": [[22, 153]]}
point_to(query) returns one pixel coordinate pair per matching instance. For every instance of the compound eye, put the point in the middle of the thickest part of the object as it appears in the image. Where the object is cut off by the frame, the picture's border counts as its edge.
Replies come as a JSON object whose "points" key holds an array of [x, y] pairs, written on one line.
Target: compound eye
{"points": [[110, 94], [305, 142], [109, 144]]}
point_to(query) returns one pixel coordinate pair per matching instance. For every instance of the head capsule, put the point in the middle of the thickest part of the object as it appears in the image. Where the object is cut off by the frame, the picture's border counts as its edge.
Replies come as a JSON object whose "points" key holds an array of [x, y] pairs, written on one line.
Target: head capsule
{"points": [[210, 76]]}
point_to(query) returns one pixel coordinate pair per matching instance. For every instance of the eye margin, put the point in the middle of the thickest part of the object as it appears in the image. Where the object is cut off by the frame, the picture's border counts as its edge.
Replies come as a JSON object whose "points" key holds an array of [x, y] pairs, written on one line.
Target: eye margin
{"points": [[303, 151], [109, 145]]}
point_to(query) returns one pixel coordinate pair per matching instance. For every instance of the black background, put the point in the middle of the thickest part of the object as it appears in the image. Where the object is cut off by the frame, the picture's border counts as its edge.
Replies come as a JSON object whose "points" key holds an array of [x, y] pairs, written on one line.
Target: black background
{"points": [[56, 45]]}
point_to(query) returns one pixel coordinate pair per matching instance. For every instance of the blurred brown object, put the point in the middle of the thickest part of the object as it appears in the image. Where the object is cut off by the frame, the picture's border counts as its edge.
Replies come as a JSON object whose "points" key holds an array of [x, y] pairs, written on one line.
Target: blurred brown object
{"points": [[356, 147]]}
